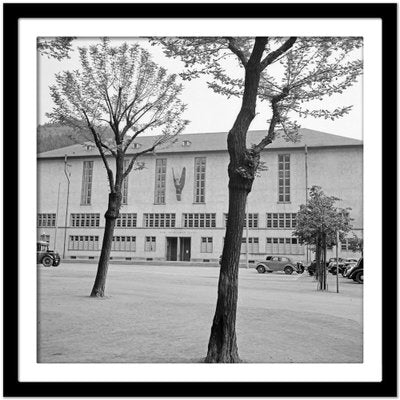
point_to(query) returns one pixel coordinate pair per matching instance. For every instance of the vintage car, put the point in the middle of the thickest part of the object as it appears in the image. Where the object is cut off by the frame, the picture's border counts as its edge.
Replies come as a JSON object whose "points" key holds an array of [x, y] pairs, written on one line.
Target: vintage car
{"points": [[356, 272], [45, 256], [279, 263], [344, 264]]}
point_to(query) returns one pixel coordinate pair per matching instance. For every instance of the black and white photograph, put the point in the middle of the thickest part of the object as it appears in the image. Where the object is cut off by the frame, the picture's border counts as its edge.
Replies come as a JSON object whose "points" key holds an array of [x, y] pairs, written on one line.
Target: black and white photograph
{"points": [[158, 194], [202, 198]]}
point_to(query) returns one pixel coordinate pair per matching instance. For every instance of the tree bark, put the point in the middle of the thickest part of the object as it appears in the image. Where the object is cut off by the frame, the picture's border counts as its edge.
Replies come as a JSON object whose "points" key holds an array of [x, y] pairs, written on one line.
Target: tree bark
{"points": [[114, 204], [222, 346]]}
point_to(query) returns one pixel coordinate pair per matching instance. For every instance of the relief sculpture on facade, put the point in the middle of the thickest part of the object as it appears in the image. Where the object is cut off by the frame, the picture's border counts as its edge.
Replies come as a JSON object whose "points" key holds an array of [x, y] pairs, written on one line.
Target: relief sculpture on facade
{"points": [[179, 183]]}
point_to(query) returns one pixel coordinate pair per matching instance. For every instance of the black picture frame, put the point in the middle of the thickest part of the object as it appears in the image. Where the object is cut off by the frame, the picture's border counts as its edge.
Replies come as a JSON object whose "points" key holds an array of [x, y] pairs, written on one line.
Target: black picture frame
{"points": [[12, 386]]}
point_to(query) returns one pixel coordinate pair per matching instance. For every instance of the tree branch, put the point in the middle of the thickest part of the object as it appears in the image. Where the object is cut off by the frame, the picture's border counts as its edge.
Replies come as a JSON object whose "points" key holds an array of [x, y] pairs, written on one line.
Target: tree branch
{"points": [[100, 145], [276, 53], [234, 49]]}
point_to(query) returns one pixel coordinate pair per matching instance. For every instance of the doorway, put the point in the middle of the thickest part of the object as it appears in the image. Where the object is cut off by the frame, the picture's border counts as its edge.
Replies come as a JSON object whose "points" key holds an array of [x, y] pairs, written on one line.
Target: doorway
{"points": [[184, 248], [172, 248]]}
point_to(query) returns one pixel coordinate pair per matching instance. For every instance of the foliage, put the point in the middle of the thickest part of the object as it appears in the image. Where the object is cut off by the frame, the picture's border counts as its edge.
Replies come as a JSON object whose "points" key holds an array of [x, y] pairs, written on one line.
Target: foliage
{"points": [[319, 217], [58, 48], [309, 70], [122, 89], [355, 244]]}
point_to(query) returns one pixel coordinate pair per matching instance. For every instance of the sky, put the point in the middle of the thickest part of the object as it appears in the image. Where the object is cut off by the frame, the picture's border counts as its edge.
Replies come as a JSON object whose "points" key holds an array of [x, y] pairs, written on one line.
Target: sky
{"points": [[206, 110]]}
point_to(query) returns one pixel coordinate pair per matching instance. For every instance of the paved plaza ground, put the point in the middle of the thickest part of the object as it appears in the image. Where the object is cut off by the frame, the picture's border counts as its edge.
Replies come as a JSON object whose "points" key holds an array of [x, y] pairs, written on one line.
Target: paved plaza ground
{"points": [[163, 314]]}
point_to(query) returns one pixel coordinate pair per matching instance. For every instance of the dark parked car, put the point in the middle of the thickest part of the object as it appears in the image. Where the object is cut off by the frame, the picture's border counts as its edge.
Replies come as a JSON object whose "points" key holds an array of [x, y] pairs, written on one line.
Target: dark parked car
{"points": [[45, 256], [344, 264], [313, 266], [357, 272], [278, 263]]}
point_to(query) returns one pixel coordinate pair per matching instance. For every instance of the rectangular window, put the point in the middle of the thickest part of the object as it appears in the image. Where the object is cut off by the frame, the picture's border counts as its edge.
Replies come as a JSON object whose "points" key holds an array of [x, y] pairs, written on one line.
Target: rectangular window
{"points": [[344, 245], [124, 200], [87, 179], [161, 175], [251, 217], [281, 220], [46, 220], [200, 180], [253, 245], [123, 243], [284, 178], [199, 220], [161, 220], [126, 220], [281, 245], [83, 243], [150, 243], [85, 220], [206, 245]]}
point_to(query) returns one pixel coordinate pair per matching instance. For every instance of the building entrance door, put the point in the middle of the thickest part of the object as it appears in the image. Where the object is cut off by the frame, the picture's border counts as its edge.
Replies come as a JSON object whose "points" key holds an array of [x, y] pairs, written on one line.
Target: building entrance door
{"points": [[172, 248], [184, 249]]}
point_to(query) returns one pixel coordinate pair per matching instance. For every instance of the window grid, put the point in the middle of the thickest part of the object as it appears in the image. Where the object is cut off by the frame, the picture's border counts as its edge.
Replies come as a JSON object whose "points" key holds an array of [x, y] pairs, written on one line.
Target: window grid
{"points": [[252, 243], [124, 199], [206, 245], [123, 243], [199, 220], [251, 217], [126, 220], [150, 243], [199, 179], [46, 220], [281, 220], [284, 178], [161, 220], [83, 242], [283, 245], [88, 220], [160, 184], [87, 179]]}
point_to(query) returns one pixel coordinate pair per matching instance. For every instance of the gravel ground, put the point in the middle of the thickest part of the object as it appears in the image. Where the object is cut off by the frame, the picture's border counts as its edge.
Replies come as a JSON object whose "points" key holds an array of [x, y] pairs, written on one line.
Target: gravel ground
{"points": [[163, 314]]}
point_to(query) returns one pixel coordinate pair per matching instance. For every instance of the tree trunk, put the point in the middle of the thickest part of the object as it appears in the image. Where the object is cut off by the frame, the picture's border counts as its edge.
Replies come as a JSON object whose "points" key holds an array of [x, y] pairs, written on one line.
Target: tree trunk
{"points": [[114, 204], [222, 346]]}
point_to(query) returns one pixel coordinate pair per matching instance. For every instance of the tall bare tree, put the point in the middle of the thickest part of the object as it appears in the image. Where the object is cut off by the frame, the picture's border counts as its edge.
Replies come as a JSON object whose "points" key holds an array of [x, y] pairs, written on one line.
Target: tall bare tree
{"points": [[118, 88], [285, 73]]}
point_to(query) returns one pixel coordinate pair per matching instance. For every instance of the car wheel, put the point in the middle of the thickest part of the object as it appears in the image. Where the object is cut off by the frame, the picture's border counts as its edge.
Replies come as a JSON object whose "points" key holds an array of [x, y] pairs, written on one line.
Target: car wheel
{"points": [[359, 277], [261, 269], [47, 261], [56, 263], [288, 270]]}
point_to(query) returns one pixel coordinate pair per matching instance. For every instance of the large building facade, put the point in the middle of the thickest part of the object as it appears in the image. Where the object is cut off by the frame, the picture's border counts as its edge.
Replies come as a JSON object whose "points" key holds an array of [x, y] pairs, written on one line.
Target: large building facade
{"points": [[174, 209]]}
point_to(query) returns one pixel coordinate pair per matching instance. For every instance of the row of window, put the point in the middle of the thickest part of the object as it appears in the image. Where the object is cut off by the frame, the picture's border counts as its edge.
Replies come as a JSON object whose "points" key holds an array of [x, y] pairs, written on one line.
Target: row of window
{"points": [[168, 220], [199, 181], [128, 244]]}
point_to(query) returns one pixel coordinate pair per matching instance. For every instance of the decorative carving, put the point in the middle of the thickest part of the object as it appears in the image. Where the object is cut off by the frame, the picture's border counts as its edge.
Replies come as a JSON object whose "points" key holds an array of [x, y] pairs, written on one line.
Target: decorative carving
{"points": [[179, 183]]}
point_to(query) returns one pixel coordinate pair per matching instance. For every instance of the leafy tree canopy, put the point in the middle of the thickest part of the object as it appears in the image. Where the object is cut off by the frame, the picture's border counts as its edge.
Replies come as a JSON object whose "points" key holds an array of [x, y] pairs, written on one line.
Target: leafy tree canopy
{"points": [[320, 217], [306, 71], [122, 89], [58, 48]]}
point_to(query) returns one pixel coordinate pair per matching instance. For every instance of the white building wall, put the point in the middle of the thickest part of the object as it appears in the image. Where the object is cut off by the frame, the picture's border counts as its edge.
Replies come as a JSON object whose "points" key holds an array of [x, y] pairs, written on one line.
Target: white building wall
{"points": [[337, 170]]}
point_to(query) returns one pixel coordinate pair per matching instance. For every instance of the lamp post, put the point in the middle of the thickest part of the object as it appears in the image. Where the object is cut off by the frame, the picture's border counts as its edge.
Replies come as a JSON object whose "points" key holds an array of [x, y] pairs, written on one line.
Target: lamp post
{"points": [[67, 175]]}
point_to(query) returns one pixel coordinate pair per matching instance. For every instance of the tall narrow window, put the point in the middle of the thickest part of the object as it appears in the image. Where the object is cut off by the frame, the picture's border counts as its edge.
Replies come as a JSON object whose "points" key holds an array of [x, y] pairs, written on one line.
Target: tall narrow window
{"points": [[284, 177], [161, 172], [125, 185], [206, 245], [200, 180], [150, 243], [87, 179]]}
